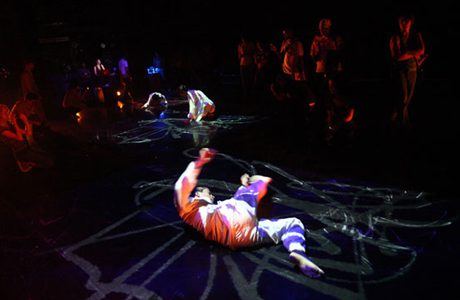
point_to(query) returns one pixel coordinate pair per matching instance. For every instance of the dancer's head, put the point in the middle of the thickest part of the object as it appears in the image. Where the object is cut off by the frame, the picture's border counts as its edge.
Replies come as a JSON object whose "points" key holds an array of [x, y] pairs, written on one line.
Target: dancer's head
{"points": [[203, 193]]}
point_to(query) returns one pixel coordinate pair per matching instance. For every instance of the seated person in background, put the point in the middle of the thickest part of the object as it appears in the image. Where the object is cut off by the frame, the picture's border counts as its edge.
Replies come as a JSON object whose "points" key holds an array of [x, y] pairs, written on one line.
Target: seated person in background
{"points": [[74, 99], [279, 89], [17, 138], [31, 106], [156, 100], [200, 106], [123, 93], [83, 74]]}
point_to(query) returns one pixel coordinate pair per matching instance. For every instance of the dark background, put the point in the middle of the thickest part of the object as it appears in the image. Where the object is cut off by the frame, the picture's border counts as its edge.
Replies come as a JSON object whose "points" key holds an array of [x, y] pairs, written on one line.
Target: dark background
{"points": [[141, 27], [197, 41]]}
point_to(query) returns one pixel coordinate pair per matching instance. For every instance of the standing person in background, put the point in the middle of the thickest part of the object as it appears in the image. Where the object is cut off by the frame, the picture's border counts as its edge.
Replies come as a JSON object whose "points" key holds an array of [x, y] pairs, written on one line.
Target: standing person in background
{"points": [[99, 72], [31, 101], [99, 69], [326, 52], [28, 84], [125, 79], [123, 71], [83, 75], [292, 56], [262, 77], [407, 51], [246, 51], [291, 86]]}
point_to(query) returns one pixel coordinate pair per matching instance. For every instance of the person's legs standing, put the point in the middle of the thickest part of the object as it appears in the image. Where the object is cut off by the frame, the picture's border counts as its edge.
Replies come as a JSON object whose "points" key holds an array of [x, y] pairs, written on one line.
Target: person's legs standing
{"points": [[411, 79]]}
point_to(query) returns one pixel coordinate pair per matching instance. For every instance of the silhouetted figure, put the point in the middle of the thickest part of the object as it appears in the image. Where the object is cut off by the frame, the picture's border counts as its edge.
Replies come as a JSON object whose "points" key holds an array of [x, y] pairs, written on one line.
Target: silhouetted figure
{"points": [[407, 50], [280, 89], [75, 98], [327, 53], [84, 75], [290, 86], [28, 84], [246, 51], [262, 77], [123, 70], [124, 75]]}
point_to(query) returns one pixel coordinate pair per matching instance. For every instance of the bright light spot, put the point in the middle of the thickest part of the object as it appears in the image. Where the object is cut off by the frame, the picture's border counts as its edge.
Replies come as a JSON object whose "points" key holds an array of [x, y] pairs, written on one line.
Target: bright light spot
{"points": [[350, 115], [79, 117], [153, 70]]}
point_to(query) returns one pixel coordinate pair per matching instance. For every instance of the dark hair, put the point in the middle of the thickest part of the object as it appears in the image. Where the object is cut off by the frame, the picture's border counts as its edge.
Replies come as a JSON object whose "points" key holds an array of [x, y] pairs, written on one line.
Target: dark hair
{"points": [[157, 96], [200, 189], [407, 16], [183, 88]]}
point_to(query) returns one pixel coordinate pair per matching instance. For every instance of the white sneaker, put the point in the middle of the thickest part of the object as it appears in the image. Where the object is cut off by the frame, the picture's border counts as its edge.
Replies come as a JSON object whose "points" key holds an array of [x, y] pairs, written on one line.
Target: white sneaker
{"points": [[306, 266]]}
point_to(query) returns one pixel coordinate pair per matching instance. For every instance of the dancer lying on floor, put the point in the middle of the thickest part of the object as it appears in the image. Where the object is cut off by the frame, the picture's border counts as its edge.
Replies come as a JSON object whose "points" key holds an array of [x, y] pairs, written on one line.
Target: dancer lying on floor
{"points": [[233, 222]]}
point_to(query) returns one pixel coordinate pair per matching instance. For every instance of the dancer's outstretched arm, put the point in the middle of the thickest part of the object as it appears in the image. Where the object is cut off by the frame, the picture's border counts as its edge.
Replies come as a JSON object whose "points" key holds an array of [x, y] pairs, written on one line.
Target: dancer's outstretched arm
{"points": [[188, 180]]}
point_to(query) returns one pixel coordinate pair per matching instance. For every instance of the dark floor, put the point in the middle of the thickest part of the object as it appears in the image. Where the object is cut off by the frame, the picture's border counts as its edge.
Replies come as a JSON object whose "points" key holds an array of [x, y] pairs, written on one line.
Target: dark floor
{"points": [[381, 207]]}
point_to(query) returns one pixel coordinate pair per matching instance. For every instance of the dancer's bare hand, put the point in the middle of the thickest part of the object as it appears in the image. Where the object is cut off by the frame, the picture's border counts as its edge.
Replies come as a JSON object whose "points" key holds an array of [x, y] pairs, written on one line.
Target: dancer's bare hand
{"points": [[206, 155], [244, 179]]}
